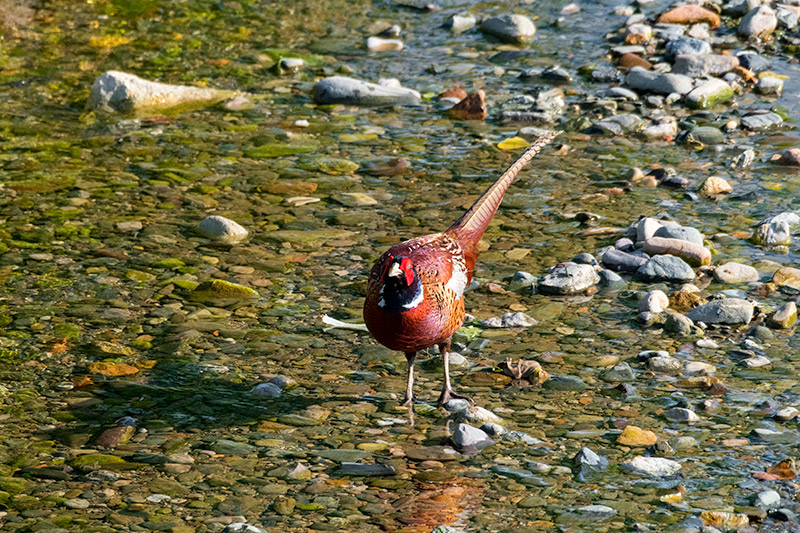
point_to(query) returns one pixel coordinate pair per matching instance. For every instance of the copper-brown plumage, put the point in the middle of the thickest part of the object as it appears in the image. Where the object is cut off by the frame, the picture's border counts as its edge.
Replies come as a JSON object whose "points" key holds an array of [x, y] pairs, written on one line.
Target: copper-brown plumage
{"points": [[415, 292]]}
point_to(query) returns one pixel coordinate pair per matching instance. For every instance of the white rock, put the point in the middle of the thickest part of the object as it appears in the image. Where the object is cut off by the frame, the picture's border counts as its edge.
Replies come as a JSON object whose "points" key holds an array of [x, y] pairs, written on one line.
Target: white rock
{"points": [[510, 28], [121, 92], [510, 320], [680, 414], [652, 466], [569, 279], [646, 228], [736, 273], [787, 413], [461, 23], [344, 90], [466, 436], [377, 44], [698, 367], [707, 343], [768, 499], [222, 229], [758, 23], [654, 302], [757, 361]]}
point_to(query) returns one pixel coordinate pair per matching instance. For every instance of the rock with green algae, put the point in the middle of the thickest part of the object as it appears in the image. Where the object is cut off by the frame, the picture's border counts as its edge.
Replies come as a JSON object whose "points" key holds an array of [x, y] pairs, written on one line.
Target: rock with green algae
{"points": [[96, 459], [334, 166], [13, 485], [217, 290], [272, 150], [121, 92]]}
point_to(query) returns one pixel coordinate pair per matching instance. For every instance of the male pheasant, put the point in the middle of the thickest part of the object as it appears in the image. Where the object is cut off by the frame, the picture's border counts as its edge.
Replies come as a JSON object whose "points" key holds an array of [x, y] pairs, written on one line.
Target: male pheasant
{"points": [[415, 292]]}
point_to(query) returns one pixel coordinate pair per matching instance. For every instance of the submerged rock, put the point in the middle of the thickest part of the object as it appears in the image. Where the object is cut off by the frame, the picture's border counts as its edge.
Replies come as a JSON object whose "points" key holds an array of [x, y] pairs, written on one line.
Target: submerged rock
{"points": [[222, 229], [726, 311], [510, 28], [665, 268], [469, 438], [344, 90], [652, 466], [220, 290], [121, 92]]}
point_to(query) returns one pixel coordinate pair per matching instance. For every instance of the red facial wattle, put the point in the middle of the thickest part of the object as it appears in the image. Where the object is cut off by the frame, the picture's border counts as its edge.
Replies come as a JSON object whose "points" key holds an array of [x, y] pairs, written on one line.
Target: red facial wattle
{"points": [[405, 266]]}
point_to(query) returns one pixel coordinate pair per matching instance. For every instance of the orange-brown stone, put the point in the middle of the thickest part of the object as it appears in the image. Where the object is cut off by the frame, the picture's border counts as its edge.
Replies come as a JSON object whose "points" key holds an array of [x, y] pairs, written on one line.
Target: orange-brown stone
{"points": [[630, 60], [634, 436], [454, 93], [473, 107], [690, 14]]}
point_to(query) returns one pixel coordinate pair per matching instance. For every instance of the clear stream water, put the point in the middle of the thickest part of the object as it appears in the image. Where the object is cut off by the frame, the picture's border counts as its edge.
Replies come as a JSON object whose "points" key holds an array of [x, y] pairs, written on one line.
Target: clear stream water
{"points": [[81, 283]]}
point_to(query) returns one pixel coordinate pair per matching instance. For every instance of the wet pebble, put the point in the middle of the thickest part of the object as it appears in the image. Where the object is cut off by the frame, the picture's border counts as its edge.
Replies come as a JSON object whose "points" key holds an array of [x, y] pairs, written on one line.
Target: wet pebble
{"points": [[378, 44], [510, 28], [571, 279], [680, 414], [460, 23], [726, 311], [586, 462], [654, 302], [710, 93], [735, 273], [685, 46], [652, 466], [344, 90], [761, 121], [759, 23], [665, 268], [768, 499], [469, 438], [664, 364], [222, 229], [645, 80], [267, 390], [510, 320]]}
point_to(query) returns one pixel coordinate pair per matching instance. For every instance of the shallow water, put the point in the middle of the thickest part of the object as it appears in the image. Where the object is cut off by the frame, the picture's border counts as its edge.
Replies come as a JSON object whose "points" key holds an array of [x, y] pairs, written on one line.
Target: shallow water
{"points": [[81, 285]]}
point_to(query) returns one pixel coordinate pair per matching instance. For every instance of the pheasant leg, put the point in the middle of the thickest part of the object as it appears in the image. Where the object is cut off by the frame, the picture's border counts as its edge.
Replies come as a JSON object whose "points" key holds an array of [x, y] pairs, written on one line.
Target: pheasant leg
{"points": [[447, 389], [409, 399]]}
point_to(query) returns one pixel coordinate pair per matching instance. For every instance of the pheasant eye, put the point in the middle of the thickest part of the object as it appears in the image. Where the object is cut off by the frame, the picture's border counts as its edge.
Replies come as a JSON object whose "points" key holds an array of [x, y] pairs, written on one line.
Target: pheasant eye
{"points": [[387, 265]]}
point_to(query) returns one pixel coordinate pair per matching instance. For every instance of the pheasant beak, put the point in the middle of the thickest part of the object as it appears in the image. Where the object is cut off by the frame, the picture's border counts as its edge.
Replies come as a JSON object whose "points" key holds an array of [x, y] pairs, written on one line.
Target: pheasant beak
{"points": [[394, 271]]}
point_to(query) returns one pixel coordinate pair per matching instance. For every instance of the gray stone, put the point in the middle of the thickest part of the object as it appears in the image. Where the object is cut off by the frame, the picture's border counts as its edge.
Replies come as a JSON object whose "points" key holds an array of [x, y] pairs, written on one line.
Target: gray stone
{"points": [[665, 268], [76, 503], [267, 390], [510, 28], [584, 259], [752, 61], [652, 466], [611, 280], [680, 325], [621, 124], [775, 437], [621, 372], [787, 413], [571, 279], [739, 8], [655, 301], [709, 93], [596, 512], [222, 229], [121, 92], [340, 455], [773, 233], [344, 90], [587, 463], [727, 311], [466, 437], [680, 414], [623, 261], [364, 469], [685, 46], [787, 18], [646, 228], [761, 121], [241, 527], [655, 82], [565, 383], [472, 414], [493, 430], [665, 364], [510, 320], [756, 361], [736, 273], [770, 86], [698, 367], [759, 23], [672, 231], [698, 66], [768, 499], [521, 280], [460, 23], [229, 447]]}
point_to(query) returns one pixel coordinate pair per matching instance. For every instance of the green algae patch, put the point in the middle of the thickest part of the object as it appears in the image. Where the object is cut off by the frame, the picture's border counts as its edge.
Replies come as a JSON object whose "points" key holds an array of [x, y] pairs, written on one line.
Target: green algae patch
{"points": [[335, 166], [169, 262], [96, 459], [276, 54], [13, 485], [272, 150], [220, 290]]}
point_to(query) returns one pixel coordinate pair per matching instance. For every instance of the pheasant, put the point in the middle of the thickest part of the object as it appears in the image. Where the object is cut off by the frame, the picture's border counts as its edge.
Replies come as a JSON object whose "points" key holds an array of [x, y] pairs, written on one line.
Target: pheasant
{"points": [[415, 292]]}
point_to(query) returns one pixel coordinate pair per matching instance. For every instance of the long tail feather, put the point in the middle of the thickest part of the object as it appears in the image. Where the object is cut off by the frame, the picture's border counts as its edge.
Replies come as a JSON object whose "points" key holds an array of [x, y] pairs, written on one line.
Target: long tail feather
{"points": [[472, 224]]}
